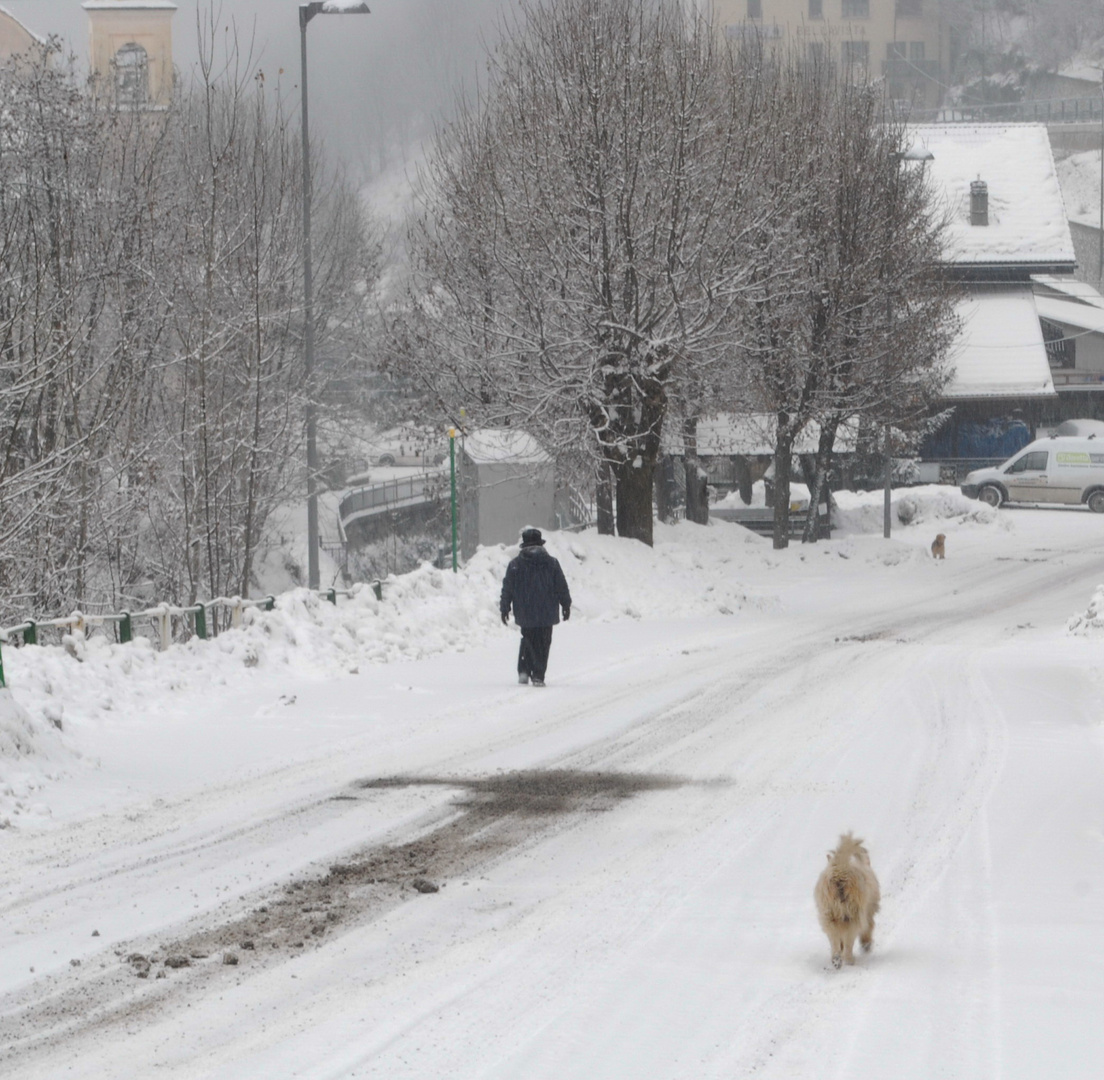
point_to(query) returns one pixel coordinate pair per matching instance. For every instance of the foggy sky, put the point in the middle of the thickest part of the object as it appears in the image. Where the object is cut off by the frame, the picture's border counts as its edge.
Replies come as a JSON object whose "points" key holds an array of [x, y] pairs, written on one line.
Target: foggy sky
{"points": [[377, 82]]}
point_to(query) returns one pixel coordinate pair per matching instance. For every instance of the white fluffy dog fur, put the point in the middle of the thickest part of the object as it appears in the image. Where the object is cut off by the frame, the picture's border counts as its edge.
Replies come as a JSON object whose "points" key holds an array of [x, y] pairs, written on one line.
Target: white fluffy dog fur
{"points": [[847, 898]]}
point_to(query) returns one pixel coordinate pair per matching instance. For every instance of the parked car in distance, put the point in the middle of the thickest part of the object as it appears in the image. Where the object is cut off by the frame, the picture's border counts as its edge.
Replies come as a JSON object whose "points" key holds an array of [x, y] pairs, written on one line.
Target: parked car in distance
{"points": [[408, 446], [1061, 469]]}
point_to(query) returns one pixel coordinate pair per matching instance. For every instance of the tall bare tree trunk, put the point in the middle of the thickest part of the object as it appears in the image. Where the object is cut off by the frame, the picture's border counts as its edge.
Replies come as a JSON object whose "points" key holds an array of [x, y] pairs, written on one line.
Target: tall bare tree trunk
{"points": [[783, 464], [820, 480], [634, 499], [603, 499], [697, 497], [662, 489]]}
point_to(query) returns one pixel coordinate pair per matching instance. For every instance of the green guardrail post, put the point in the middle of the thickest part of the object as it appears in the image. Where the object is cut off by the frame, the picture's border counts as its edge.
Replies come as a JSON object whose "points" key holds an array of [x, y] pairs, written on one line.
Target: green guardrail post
{"points": [[199, 614], [126, 630], [270, 603], [30, 633], [331, 595], [377, 588], [452, 474]]}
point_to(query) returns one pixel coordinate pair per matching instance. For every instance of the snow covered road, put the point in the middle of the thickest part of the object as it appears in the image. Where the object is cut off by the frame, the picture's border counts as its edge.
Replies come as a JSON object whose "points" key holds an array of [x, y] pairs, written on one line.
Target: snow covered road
{"points": [[656, 922]]}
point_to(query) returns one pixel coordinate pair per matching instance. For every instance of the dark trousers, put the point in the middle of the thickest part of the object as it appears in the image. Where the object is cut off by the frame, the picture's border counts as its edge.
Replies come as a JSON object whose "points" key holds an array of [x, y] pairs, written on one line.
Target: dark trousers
{"points": [[533, 655]]}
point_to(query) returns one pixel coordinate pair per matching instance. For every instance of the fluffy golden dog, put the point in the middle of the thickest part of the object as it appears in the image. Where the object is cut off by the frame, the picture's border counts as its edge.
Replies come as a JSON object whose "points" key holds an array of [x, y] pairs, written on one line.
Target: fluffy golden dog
{"points": [[938, 550], [847, 898]]}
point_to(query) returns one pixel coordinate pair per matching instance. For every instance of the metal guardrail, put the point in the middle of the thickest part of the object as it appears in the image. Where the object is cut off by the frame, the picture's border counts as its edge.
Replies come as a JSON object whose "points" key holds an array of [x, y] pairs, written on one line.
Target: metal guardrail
{"points": [[160, 617], [423, 486], [1055, 111]]}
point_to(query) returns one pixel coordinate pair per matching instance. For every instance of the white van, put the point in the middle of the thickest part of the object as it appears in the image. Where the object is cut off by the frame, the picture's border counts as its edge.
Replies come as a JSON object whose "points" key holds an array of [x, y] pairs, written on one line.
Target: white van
{"points": [[1060, 469]]}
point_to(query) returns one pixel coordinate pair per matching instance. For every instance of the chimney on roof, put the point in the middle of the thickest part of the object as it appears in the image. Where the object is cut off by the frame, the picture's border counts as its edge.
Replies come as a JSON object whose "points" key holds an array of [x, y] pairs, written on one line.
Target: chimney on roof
{"points": [[979, 202]]}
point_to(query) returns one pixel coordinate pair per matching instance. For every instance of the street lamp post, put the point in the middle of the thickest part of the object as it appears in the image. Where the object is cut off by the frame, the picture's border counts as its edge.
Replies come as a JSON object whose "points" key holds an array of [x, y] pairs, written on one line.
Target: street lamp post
{"points": [[306, 13]]}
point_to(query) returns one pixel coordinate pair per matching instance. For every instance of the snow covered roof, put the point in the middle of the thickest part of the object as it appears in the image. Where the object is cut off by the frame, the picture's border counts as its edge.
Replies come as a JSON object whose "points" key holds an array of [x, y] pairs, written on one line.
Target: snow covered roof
{"points": [[1070, 288], [1082, 316], [1000, 350], [503, 446], [1027, 217], [133, 5], [753, 434]]}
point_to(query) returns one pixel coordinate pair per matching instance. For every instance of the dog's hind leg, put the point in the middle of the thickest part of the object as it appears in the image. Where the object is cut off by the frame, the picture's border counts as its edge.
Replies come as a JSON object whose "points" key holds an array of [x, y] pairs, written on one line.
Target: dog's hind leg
{"points": [[866, 940], [849, 943], [835, 939]]}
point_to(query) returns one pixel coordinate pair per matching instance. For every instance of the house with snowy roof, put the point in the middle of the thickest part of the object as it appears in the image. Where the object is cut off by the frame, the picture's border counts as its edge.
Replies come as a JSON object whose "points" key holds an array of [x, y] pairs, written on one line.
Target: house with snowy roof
{"points": [[998, 186]]}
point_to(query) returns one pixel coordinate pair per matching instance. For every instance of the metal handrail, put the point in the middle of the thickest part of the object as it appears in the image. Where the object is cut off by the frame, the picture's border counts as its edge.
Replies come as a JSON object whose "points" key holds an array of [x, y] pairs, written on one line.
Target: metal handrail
{"points": [[161, 616]]}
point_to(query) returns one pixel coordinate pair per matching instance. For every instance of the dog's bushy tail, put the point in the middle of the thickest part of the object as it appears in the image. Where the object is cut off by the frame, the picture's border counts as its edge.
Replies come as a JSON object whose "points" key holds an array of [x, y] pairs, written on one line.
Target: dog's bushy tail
{"points": [[848, 848]]}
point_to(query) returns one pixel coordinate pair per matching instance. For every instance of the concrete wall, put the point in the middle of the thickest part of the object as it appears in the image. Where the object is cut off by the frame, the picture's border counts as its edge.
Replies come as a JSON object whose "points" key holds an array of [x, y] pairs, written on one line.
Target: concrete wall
{"points": [[1086, 247], [498, 500]]}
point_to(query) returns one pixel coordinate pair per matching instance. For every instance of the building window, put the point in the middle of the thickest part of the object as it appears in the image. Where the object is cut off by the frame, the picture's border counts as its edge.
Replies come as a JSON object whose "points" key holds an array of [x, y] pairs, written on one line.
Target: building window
{"points": [[896, 50], [755, 9], [856, 9], [131, 76], [816, 9], [916, 50], [855, 54], [816, 54], [910, 9]]}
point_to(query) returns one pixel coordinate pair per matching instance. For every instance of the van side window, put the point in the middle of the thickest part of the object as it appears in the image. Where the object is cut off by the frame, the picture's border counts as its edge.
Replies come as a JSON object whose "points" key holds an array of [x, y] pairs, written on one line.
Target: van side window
{"points": [[1036, 461]]}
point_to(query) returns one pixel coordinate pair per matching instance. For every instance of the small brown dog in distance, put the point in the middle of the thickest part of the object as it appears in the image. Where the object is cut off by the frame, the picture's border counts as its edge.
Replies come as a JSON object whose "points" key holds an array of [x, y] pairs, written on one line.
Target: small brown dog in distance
{"points": [[847, 898], [938, 550]]}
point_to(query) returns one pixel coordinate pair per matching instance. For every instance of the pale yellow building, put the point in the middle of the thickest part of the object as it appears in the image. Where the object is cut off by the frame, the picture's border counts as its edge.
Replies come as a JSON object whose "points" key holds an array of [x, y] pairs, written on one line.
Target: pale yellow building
{"points": [[131, 50], [15, 38], [906, 42]]}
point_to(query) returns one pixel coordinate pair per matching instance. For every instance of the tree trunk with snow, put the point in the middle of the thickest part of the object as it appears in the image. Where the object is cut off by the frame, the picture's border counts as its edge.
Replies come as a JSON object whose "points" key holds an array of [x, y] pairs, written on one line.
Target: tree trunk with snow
{"points": [[603, 500], [697, 500]]}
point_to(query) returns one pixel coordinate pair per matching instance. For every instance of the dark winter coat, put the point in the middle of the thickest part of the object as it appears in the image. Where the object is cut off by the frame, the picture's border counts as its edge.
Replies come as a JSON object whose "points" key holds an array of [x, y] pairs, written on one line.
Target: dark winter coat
{"points": [[536, 587]]}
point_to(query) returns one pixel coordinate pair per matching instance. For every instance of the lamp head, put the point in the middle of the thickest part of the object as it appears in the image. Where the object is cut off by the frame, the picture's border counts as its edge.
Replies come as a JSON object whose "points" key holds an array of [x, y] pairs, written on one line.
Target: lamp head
{"points": [[330, 7]]}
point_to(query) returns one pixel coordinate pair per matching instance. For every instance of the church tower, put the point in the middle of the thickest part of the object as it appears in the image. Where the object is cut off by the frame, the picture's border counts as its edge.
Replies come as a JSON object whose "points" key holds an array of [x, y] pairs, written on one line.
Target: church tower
{"points": [[131, 45]]}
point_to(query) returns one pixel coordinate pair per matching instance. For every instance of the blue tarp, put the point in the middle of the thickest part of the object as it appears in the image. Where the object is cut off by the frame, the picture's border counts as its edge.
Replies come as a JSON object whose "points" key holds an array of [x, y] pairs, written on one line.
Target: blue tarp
{"points": [[997, 438]]}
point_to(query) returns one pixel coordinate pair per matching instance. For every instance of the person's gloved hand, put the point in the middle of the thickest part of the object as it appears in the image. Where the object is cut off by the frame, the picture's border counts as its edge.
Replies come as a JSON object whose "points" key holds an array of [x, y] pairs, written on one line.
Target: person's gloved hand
{"points": [[505, 619], [567, 613]]}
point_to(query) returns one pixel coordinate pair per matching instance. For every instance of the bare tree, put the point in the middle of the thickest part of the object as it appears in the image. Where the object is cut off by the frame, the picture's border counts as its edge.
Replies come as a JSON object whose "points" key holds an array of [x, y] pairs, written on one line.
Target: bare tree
{"points": [[583, 232], [151, 379], [851, 316]]}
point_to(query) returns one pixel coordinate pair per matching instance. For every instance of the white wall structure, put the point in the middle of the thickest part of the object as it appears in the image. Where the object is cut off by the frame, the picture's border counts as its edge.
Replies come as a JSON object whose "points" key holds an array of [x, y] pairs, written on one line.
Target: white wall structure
{"points": [[506, 483]]}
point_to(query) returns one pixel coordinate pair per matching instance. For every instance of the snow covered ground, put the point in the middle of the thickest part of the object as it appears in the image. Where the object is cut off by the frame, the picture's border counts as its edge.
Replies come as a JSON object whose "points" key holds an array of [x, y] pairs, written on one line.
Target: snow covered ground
{"points": [[623, 862]]}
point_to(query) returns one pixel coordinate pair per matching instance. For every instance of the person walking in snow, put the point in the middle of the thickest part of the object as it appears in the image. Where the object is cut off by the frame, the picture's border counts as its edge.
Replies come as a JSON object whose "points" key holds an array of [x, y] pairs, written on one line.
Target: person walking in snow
{"points": [[536, 588]]}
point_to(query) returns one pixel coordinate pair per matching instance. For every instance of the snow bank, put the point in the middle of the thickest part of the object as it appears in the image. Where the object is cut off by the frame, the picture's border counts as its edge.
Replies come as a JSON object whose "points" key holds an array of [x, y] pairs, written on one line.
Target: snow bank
{"points": [[862, 512], [1090, 623], [27, 742], [74, 692], [71, 690]]}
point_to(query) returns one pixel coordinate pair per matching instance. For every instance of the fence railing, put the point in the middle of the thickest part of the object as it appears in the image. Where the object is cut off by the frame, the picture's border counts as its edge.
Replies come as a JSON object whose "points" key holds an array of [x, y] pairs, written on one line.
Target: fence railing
{"points": [[162, 618], [1075, 110], [423, 486]]}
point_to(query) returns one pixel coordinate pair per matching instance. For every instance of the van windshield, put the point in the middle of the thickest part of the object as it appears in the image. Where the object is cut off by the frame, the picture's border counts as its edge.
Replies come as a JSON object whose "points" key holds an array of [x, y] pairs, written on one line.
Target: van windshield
{"points": [[1036, 461]]}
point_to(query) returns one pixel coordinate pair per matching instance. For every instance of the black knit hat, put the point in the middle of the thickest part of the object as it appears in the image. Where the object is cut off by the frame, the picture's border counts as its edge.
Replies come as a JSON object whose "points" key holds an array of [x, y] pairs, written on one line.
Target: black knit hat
{"points": [[531, 537]]}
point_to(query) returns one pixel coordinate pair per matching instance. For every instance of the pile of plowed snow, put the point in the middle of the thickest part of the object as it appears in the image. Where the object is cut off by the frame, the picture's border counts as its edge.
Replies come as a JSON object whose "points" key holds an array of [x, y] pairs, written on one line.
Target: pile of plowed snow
{"points": [[1090, 622], [862, 512], [29, 744], [69, 692]]}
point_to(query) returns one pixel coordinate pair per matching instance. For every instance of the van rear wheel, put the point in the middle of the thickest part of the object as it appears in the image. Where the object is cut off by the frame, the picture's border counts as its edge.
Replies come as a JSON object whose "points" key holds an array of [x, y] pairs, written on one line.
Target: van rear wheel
{"points": [[1096, 502], [992, 495]]}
